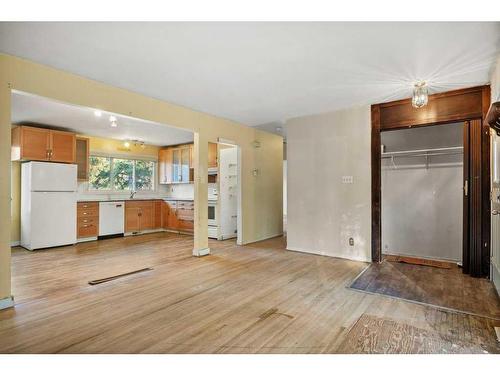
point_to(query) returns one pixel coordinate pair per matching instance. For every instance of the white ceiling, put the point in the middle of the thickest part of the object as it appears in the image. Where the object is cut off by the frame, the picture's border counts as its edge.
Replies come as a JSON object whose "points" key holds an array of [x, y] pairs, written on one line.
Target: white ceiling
{"points": [[263, 73], [31, 109]]}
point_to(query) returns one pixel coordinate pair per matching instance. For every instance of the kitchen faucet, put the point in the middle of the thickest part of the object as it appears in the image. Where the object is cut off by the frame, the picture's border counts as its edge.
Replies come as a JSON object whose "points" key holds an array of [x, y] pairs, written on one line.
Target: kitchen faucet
{"points": [[132, 194]]}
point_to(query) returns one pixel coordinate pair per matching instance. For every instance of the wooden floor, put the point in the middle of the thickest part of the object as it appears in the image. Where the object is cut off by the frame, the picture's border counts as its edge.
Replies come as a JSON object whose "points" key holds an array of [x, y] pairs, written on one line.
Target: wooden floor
{"points": [[253, 299], [449, 288]]}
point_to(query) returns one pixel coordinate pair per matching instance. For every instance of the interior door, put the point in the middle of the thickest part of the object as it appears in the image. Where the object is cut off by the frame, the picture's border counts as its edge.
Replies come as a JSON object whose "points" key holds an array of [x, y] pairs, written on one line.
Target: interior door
{"points": [[466, 194], [495, 210]]}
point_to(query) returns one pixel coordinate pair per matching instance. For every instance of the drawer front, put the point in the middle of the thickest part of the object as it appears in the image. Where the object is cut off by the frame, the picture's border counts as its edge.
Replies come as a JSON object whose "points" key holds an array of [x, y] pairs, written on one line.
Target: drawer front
{"points": [[88, 205], [87, 230], [87, 212], [88, 220], [183, 214]]}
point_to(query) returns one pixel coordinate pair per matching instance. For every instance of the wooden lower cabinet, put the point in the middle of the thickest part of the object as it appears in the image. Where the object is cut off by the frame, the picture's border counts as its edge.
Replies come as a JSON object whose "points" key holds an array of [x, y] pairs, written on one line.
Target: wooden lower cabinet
{"points": [[87, 219], [143, 215], [178, 216]]}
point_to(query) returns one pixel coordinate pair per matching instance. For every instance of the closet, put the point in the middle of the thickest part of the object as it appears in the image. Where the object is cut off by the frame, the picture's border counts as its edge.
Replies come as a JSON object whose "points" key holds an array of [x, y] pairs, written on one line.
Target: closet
{"points": [[422, 179]]}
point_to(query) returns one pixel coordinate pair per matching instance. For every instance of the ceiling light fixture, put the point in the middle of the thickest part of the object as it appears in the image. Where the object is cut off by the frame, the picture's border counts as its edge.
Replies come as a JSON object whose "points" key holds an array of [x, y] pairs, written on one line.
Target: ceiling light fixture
{"points": [[278, 129], [126, 144], [420, 94], [112, 118], [114, 124], [97, 113]]}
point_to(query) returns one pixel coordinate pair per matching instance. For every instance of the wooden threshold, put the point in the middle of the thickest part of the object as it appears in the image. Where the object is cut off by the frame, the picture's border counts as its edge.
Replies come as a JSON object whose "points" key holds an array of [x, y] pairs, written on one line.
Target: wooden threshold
{"points": [[418, 261]]}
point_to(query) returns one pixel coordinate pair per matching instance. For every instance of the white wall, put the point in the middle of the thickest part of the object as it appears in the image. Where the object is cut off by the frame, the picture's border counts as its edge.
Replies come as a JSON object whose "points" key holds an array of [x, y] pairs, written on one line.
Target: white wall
{"points": [[422, 211], [322, 212]]}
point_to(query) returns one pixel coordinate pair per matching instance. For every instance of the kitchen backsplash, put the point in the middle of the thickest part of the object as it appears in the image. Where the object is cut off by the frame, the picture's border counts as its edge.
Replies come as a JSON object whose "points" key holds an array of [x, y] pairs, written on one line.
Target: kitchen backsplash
{"points": [[175, 191]]}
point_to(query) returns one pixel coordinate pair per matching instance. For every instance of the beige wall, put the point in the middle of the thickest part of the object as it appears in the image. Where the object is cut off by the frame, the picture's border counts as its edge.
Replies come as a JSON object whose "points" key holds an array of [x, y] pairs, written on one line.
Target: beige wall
{"points": [[97, 145], [261, 194], [323, 213]]}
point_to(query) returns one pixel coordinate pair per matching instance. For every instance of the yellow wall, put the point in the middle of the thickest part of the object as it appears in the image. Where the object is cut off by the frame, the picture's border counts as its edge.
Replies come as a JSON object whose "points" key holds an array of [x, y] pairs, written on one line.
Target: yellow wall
{"points": [[114, 147], [261, 194], [97, 145]]}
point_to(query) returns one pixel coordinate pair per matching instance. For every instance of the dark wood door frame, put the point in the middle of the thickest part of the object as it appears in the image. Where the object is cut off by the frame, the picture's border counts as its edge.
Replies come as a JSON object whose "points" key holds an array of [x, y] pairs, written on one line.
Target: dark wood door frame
{"points": [[443, 108]]}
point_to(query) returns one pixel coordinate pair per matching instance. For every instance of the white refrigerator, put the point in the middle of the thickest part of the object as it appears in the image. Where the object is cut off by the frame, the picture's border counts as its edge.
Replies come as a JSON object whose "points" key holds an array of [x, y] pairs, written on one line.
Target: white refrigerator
{"points": [[48, 204]]}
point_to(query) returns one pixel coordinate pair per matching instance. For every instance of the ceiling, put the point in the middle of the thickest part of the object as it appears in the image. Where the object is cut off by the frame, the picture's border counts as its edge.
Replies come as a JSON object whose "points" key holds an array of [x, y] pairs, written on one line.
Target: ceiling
{"points": [[264, 73], [32, 109]]}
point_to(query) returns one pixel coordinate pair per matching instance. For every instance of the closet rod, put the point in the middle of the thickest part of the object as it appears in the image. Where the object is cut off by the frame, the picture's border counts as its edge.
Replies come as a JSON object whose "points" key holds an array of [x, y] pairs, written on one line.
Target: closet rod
{"points": [[439, 151]]}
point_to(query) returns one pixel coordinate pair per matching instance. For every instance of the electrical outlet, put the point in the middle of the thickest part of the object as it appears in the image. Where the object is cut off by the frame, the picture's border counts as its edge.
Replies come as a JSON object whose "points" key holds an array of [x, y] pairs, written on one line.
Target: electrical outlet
{"points": [[347, 179], [351, 241]]}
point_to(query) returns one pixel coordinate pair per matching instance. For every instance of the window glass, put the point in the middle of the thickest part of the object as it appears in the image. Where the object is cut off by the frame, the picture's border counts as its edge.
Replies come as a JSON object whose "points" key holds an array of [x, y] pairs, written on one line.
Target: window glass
{"points": [[99, 173], [144, 175], [123, 174], [117, 174]]}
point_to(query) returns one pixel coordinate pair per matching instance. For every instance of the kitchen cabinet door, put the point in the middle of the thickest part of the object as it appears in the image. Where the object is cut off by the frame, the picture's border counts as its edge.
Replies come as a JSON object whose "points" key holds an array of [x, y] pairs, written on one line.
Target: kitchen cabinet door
{"points": [[157, 214], [185, 160], [147, 215], [165, 210], [82, 158], [62, 146], [212, 155], [30, 143], [132, 218], [164, 166]]}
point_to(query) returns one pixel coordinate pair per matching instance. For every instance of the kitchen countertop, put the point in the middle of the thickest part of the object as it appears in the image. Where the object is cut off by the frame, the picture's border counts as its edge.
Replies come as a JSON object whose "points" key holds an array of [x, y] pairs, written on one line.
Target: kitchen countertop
{"points": [[210, 199]]}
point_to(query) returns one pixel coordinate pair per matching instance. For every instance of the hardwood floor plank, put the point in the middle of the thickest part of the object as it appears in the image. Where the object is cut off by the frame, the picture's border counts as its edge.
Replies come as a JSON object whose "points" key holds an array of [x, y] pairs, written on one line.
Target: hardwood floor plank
{"points": [[241, 299]]}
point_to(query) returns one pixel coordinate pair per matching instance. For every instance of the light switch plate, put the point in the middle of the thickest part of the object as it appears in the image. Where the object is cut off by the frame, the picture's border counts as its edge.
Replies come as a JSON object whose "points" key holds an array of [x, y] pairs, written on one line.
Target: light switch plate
{"points": [[347, 179]]}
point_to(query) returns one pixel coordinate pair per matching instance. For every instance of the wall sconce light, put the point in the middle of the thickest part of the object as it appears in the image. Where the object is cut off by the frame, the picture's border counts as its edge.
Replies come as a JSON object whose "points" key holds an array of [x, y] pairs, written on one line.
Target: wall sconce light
{"points": [[256, 144]]}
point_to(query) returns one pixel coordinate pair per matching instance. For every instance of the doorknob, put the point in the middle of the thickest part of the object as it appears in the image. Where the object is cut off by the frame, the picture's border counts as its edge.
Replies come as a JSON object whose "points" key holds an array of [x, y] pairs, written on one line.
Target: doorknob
{"points": [[495, 212]]}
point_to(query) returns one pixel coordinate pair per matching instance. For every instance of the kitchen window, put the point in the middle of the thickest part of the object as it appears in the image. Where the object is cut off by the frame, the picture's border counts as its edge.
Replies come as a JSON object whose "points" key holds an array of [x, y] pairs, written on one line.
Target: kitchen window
{"points": [[119, 174]]}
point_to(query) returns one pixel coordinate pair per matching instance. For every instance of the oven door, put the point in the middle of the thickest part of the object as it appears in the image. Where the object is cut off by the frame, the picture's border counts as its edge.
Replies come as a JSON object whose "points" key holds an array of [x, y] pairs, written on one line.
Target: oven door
{"points": [[212, 214]]}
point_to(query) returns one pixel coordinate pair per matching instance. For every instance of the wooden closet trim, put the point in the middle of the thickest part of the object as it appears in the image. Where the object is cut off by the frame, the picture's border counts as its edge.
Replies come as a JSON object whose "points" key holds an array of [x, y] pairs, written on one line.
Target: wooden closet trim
{"points": [[448, 107]]}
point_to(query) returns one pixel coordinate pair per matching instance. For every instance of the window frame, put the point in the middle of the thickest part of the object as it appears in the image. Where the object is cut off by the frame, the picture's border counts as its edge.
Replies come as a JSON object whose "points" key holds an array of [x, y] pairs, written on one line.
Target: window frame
{"points": [[112, 175]]}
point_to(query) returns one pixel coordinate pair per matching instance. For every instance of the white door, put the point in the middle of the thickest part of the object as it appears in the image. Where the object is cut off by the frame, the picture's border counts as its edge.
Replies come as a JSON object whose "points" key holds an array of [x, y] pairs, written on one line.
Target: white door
{"points": [[53, 219], [53, 177], [495, 210]]}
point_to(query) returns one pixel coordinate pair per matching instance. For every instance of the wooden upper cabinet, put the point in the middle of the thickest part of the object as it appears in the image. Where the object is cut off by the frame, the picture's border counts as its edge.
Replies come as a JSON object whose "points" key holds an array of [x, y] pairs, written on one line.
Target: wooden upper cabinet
{"points": [[212, 155], [30, 143], [165, 165], [63, 146], [176, 163], [82, 158]]}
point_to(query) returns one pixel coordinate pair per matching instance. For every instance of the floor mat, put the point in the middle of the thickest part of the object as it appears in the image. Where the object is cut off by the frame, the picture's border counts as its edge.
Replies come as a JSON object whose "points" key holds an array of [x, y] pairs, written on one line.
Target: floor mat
{"points": [[374, 335], [446, 288]]}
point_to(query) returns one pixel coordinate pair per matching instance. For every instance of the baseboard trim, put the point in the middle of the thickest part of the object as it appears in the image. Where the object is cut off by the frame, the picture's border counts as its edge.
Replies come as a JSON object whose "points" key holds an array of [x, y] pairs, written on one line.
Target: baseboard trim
{"points": [[355, 259], [261, 239], [15, 243], [7, 302], [201, 252]]}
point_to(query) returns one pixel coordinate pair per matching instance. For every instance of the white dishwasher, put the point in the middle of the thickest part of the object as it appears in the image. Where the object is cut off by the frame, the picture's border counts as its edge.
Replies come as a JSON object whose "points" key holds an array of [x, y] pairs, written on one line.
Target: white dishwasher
{"points": [[111, 218]]}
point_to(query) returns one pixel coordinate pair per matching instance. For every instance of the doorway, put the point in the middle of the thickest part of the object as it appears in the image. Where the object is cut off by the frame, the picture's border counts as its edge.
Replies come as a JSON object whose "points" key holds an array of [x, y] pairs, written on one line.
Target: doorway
{"points": [[422, 192], [225, 213], [465, 105]]}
